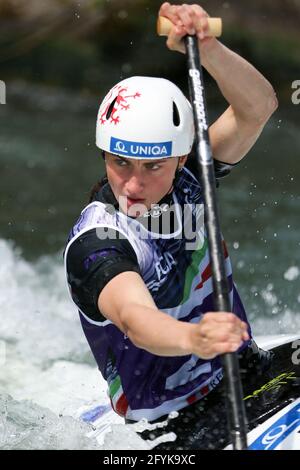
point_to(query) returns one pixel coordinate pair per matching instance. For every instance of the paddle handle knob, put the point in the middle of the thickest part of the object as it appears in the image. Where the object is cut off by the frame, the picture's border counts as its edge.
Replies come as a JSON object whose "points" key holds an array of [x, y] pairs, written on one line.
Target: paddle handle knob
{"points": [[214, 26]]}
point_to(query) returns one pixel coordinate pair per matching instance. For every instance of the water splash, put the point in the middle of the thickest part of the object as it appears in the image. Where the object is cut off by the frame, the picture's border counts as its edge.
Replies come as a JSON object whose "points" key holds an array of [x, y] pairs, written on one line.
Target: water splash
{"points": [[24, 425], [48, 369]]}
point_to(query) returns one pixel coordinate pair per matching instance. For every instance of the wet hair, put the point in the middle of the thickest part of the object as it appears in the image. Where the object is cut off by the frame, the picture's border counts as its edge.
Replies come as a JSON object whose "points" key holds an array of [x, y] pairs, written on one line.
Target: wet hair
{"points": [[98, 185], [96, 188]]}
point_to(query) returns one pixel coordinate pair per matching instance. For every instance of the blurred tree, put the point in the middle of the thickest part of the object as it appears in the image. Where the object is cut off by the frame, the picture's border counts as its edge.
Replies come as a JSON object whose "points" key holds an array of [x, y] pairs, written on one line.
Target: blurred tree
{"points": [[89, 44]]}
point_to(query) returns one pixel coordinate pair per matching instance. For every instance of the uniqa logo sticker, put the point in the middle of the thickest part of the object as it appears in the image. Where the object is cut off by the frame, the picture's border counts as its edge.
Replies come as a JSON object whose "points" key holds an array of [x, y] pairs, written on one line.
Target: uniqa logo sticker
{"points": [[140, 149]]}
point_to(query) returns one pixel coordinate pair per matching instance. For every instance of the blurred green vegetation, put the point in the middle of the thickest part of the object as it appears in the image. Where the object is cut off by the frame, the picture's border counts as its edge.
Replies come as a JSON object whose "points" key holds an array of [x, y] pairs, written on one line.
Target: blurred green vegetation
{"points": [[90, 44]]}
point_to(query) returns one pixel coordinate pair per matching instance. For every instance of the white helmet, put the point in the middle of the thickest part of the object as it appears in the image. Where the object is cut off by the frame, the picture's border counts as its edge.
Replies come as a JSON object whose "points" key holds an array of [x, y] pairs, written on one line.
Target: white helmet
{"points": [[145, 117]]}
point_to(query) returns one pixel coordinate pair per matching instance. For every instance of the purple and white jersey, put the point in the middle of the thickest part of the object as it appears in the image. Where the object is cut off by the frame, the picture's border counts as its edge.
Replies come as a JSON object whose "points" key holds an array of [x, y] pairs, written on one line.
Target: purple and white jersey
{"points": [[176, 269]]}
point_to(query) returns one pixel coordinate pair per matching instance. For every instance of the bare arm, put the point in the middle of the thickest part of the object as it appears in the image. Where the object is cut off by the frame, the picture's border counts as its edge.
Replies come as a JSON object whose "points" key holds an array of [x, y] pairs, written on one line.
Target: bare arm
{"points": [[126, 301], [250, 96]]}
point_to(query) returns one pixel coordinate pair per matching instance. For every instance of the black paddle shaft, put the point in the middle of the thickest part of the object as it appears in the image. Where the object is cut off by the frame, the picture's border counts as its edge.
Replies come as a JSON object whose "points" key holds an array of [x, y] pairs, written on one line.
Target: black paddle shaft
{"points": [[235, 408]]}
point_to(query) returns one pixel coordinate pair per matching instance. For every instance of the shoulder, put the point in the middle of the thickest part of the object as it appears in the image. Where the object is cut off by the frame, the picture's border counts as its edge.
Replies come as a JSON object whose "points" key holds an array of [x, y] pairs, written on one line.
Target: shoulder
{"points": [[94, 214], [98, 221], [95, 243], [91, 262]]}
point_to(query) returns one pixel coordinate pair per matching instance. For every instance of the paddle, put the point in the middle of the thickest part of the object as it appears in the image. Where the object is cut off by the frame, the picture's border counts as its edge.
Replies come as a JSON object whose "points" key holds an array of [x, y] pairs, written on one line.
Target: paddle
{"points": [[234, 395]]}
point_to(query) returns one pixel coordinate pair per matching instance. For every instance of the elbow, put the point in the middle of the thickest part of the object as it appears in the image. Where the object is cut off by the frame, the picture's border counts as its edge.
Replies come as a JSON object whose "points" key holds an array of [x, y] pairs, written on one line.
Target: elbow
{"points": [[124, 321], [127, 325], [272, 103], [267, 107], [137, 339], [260, 109]]}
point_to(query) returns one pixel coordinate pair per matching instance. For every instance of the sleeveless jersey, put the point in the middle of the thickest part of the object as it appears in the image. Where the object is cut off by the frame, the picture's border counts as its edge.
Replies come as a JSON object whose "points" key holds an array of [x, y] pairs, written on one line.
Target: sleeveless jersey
{"points": [[176, 269]]}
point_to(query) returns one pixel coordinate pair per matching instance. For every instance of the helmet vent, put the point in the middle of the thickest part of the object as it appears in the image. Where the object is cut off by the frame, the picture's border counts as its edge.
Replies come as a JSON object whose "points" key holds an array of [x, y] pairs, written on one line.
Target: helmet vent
{"points": [[111, 107], [176, 117]]}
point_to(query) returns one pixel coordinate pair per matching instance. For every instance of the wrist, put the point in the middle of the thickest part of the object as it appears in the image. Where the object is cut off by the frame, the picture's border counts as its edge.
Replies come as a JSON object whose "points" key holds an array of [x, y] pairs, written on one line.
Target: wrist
{"points": [[210, 49], [187, 338]]}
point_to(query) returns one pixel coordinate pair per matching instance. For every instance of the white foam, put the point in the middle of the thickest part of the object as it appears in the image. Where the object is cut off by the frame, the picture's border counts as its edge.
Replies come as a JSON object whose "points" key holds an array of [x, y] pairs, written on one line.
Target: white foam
{"points": [[40, 320], [25, 425], [48, 363], [47, 359]]}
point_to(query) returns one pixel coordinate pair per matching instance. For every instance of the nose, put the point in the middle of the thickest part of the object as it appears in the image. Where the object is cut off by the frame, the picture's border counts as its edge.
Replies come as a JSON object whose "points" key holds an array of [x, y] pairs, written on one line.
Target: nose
{"points": [[134, 185]]}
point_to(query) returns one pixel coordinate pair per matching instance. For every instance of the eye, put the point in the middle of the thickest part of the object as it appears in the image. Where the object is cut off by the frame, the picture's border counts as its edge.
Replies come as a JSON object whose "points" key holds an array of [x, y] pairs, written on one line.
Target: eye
{"points": [[153, 166], [120, 162]]}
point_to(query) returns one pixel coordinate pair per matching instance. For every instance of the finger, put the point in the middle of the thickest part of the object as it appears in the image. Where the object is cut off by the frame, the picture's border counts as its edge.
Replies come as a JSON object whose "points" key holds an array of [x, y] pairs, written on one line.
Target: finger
{"points": [[219, 349], [185, 15], [194, 19], [245, 336], [222, 327], [221, 317], [223, 337], [169, 11], [200, 18], [174, 41], [216, 332], [199, 10], [202, 28], [228, 347]]}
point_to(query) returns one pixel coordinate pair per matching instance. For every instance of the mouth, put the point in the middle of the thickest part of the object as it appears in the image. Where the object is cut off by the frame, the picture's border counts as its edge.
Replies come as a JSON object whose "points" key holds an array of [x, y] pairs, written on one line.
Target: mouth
{"points": [[131, 201]]}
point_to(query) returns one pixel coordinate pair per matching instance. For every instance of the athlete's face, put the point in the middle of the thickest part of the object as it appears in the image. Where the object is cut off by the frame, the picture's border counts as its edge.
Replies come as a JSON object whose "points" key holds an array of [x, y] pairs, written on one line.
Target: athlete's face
{"points": [[137, 184]]}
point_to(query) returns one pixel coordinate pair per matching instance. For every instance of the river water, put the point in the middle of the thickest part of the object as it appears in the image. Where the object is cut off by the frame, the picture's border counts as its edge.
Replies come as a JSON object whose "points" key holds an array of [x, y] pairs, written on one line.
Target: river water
{"points": [[48, 162]]}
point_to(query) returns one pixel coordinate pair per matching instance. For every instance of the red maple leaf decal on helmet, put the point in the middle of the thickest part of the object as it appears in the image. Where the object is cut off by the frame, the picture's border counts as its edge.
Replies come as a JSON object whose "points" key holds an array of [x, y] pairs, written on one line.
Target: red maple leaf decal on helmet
{"points": [[119, 103]]}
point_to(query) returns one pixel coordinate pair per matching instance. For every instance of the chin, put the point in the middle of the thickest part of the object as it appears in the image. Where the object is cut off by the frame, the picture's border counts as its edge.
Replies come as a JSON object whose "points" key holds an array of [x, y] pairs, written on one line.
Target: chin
{"points": [[133, 212]]}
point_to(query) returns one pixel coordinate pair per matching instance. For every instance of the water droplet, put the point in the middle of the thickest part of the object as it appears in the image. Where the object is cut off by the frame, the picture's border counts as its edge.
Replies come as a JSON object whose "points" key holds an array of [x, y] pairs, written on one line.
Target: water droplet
{"points": [[126, 68], [122, 14], [292, 273]]}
